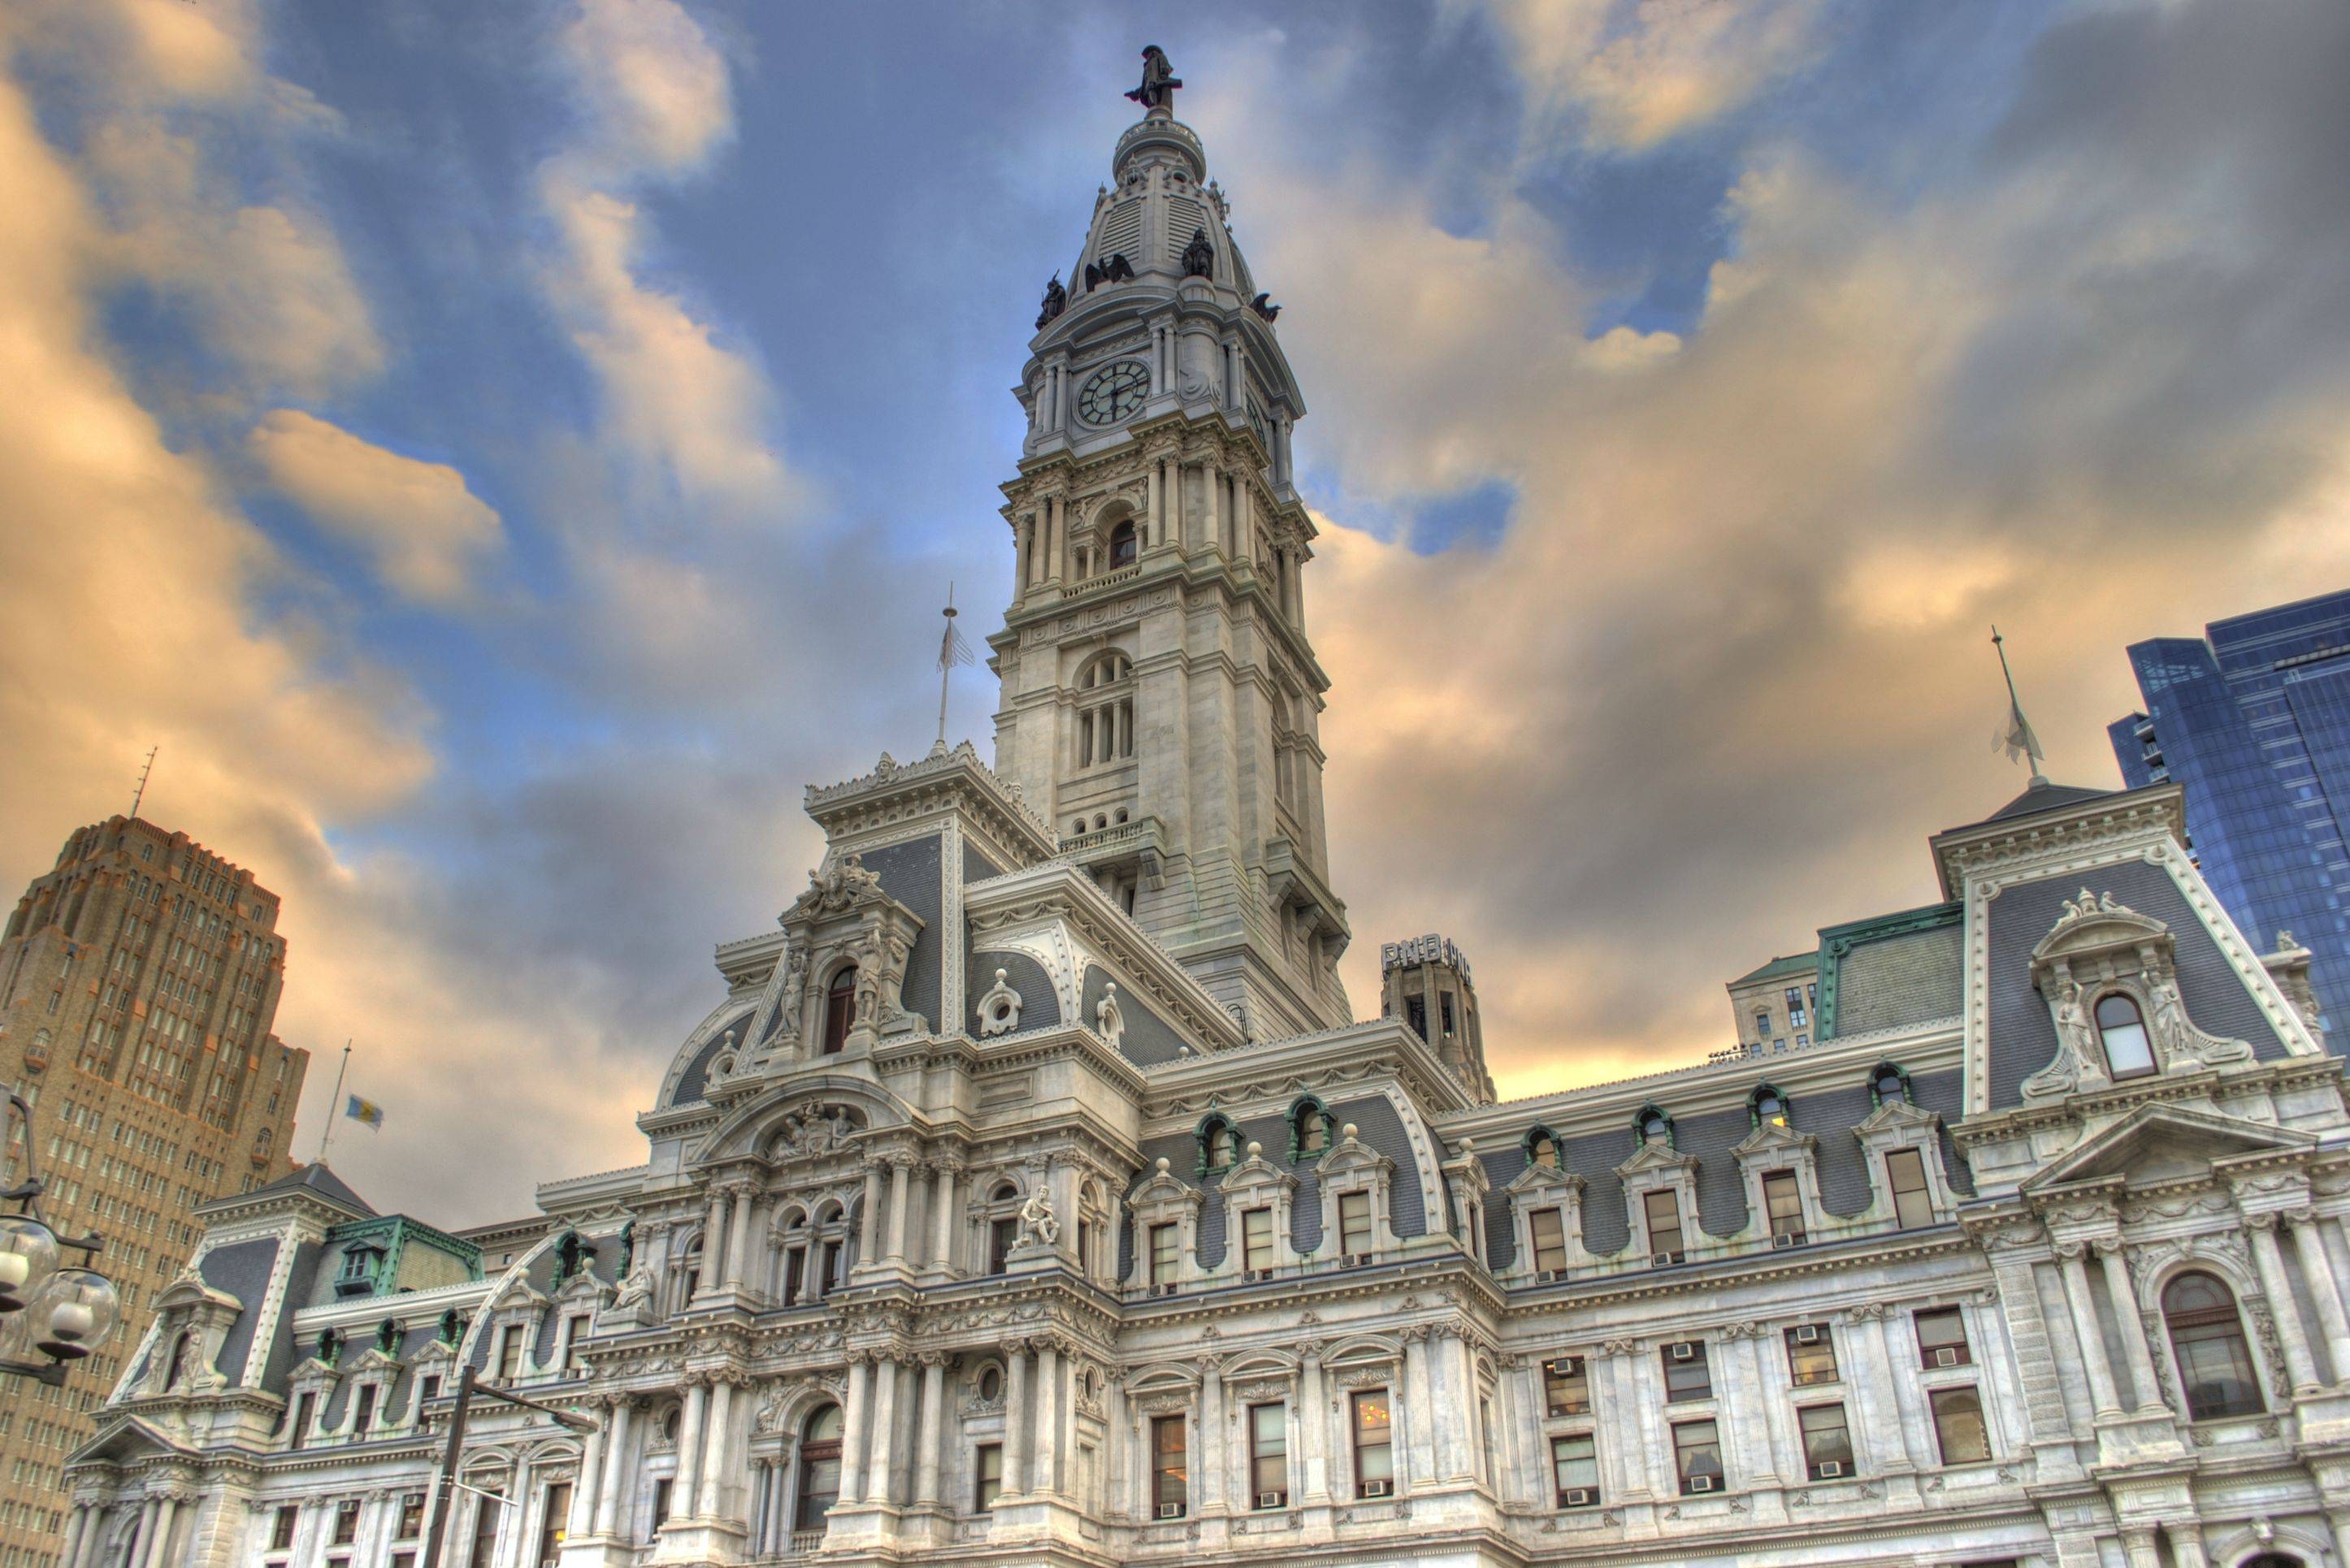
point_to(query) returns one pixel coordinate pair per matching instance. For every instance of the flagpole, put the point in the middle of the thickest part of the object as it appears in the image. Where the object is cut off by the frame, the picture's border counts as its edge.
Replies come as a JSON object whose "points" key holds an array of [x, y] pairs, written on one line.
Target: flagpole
{"points": [[2000, 643], [946, 667], [2021, 732], [327, 1131]]}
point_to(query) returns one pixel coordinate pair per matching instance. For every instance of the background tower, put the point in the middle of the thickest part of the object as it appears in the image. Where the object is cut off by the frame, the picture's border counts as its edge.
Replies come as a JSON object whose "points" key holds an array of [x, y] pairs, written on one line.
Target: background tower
{"points": [[139, 978], [1160, 698], [1425, 982]]}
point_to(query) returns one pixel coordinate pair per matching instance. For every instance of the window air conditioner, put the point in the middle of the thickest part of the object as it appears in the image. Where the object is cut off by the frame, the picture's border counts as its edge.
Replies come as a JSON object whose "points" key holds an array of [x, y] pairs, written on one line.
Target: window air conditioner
{"points": [[1170, 1511], [1946, 1355], [1356, 1260], [1579, 1498], [1162, 1290], [1260, 1273], [1272, 1499], [1808, 1333], [1550, 1276], [1831, 1469], [1701, 1483], [1378, 1488], [1684, 1351], [1785, 1239]]}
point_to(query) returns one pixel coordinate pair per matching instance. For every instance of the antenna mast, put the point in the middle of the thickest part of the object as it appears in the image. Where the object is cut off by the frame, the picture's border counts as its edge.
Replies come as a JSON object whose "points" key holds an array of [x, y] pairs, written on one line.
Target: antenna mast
{"points": [[145, 768]]}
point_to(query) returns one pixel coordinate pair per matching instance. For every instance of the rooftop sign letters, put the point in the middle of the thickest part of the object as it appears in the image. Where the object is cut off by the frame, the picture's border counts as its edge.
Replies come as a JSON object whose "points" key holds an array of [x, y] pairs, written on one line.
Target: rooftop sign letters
{"points": [[1430, 949]]}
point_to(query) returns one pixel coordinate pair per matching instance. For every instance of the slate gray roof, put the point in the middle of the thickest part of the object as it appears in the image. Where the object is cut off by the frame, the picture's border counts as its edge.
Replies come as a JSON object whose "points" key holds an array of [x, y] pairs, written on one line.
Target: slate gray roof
{"points": [[2041, 796], [1828, 1115], [2022, 1034], [695, 1079], [316, 1178], [912, 874], [242, 1269], [1911, 978]]}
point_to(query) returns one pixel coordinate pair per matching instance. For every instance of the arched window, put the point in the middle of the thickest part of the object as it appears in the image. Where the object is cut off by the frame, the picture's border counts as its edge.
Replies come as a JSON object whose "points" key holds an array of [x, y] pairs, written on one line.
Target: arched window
{"points": [[839, 1009], [1888, 1085], [1309, 1128], [1766, 1107], [179, 1367], [819, 1467], [1105, 731], [1121, 545], [689, 1275], [2214, 1367], [1652, 1125], [1542, 1149], [2121, 1028], [1220, 1146]]}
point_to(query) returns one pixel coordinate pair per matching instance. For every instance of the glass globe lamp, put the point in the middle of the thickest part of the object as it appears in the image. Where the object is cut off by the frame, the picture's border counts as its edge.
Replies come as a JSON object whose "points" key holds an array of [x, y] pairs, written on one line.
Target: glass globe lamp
{"points": [[73, 1313], [29, 1258]]}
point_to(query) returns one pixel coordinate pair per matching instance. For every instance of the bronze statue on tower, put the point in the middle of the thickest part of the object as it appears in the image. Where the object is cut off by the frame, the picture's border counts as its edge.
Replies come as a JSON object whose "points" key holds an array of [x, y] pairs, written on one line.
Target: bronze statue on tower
{"points": [[1156, 93]]}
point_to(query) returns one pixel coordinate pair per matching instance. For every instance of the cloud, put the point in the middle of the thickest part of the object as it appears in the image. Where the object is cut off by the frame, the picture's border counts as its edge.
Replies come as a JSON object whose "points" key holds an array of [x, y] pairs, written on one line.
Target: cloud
{"points": [[653, 88], [1642, 72], [425, 531]]}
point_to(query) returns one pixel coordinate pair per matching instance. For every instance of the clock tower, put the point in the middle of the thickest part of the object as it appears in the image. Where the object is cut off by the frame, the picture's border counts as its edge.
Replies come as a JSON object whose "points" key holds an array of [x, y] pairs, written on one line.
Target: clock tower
{"points": [[1160, 700]]}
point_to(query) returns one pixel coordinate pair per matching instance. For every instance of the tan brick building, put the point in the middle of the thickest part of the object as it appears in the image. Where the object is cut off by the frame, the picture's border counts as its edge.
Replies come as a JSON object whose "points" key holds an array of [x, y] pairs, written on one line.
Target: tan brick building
{"points": [[139, 978]]}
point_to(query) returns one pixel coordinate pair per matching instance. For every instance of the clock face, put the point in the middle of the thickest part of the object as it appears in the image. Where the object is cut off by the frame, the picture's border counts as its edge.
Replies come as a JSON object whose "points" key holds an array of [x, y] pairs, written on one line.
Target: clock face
{"points": [[1115, 392]]}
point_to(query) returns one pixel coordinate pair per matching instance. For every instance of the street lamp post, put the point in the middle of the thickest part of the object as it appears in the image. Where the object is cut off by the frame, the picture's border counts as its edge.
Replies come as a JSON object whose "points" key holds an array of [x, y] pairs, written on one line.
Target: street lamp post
{"points": [[62, 1313], [445, 1477]]}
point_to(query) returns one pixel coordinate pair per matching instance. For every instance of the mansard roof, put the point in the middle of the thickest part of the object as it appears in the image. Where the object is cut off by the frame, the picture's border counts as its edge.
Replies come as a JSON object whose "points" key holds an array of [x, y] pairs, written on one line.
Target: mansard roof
{"points": [[316, 1178], [2041, 796]]}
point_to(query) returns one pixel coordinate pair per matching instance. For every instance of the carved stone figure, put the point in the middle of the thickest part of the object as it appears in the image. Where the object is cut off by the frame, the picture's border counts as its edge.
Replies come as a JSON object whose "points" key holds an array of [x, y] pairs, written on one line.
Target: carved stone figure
{"points": [[1038, 1225], [795, 984], [2073, 1046], [1109, 1022], [1056, 300], [1156, 93], [1263, 305], [635, 1290], [1200, 257]]}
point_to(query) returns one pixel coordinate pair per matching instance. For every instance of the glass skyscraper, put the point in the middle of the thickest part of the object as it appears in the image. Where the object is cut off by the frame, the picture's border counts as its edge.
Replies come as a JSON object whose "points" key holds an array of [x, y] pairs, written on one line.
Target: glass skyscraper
{"points": [[2253, 719]]}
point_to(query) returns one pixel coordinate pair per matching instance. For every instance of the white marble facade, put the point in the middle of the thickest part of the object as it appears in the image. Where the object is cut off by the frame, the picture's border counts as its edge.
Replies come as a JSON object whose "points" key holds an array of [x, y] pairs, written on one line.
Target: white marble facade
{"points": [[1026, 1198]]}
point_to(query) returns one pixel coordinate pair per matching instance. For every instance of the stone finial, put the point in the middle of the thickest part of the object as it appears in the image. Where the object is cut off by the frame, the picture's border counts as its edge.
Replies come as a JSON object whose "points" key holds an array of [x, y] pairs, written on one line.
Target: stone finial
{"points": [[1162, 1166], [1255, 1149], [1346, 1133]]}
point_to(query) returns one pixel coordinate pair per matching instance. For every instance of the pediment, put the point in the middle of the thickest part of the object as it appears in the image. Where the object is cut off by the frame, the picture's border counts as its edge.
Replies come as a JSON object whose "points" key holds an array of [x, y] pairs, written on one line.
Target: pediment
{"points": [[1256, 1172], [1656, 1155], [2165, 1143], [1899, 1115], [1540, 1178], [2094, 922], [514, 1291], [190, 1289], [370, 1360], [124, 1440], [1772, 1139]]}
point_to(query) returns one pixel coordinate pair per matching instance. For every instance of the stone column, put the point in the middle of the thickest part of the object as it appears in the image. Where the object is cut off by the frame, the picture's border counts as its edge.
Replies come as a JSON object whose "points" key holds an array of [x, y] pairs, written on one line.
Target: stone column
{"points": [[616, 1448], [142, 1541], [685, 1492], [902, 1193], [1015, 1416], [1418, 1413], [1208, 1462], [942, 1212], [2085, 1332], [1213, 483], [885, 1431], [714, 1242], [1461, 1434], [1747, 1411], [1046, 1458], [167, 1514], [2187, 1544], [582, 1518], [2325, 1291], [1313, 1426], [854, 1424], [2138, 1546], [868, 1229], [76, 1525], [1115, 1435], [717, 1448], [2291, 1336], [932, 1435], [2126, 1318]]}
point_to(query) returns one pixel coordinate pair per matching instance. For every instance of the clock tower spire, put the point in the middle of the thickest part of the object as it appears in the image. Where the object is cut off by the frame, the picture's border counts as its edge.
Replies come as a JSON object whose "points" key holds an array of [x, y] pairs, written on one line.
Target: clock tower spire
{"points": [[1160, 699]]}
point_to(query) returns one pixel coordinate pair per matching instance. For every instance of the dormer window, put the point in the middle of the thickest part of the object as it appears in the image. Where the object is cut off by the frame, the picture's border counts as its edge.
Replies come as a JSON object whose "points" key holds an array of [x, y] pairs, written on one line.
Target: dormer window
{"points": [[839, 1009], [1309, 1125], [2121, 1030], [1653, 1126], [361, 1264], [1768, 1108], [1542, 1149], [1220, 1146], [1888, 1085]]}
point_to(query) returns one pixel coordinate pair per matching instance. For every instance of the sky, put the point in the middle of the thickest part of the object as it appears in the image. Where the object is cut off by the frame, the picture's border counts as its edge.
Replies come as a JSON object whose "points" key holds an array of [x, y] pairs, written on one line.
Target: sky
{"points": [[500, 454]]}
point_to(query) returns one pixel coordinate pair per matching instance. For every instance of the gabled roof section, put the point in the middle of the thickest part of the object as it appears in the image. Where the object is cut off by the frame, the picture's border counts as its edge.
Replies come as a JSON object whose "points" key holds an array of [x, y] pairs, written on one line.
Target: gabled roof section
{"points": [[2041, 796], [123, 1439], [317, 1178], [1794, 963], [2153, 1142]]}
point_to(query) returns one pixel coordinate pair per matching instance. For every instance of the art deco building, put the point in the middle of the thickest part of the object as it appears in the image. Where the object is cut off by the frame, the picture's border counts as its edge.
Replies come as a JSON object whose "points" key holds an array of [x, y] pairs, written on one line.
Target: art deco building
{"points": [[137, 981], [1028, 1197]]}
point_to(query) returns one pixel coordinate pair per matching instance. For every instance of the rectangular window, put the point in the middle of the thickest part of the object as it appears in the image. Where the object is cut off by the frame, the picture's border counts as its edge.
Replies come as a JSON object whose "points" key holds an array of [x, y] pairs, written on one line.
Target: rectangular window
{"points": [[1810, 1354], [301, 1427], [428, 1389], [403, 1560], [363, 1417], [1354, 1222], [1566, 1387], [554, 1522], [988, 1468], [1783, 1199], [1663, 1208], [1942, 1338], [661, 1490], [1905, 1172], [1575, 1470], [574, 1329], [281, 1529], [1444, 1010], [1827, 1442], [1696, 1457], [487, 1506], [795, 1268], [1001, 1234], [1170, 1473], [1958, 1429], [1763, 1023], [1415, 1012], [411, 1517], [1687, 1376], [510, 1352], [1549, 1229], [1256, 1239], [1374, 1445], [1269, 1456], [1165, 1253]]}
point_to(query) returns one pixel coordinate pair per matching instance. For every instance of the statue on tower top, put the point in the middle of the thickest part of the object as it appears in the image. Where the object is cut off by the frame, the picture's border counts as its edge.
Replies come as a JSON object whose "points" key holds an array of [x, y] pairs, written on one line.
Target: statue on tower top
{"points": [[1156, 93]]}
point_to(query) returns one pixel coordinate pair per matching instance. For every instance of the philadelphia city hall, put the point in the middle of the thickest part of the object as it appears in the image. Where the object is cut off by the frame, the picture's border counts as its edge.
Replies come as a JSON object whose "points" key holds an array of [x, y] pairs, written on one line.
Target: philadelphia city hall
{"points": [[1033, 1194]]}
